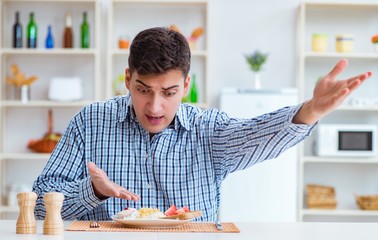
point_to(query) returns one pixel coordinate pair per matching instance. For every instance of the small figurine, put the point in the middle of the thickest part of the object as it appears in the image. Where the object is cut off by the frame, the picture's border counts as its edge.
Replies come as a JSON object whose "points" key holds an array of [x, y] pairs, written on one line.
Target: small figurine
{"points": [[193, 38]]}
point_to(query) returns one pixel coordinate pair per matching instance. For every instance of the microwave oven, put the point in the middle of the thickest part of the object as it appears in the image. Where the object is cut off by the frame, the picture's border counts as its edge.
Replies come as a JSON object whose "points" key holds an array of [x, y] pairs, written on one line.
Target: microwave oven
{"points": [[346, 140]]}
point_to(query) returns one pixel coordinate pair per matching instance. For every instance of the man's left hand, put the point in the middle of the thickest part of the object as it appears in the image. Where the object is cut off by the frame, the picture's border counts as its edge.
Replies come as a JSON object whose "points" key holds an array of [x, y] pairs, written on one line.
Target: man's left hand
{"points": [[328, 94]]}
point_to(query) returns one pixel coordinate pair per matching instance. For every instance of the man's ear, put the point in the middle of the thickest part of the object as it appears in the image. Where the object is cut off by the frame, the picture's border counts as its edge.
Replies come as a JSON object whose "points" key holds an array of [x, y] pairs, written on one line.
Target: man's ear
{"points": [[186, 85], [127, 78]]}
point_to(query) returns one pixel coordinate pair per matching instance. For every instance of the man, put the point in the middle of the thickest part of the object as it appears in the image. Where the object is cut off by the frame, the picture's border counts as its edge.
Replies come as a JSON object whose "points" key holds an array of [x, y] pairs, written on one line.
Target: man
{"points": [[147, 149]]}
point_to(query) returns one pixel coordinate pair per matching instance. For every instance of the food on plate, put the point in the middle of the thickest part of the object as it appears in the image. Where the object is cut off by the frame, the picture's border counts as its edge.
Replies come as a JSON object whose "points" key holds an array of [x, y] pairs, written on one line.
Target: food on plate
{"points": [[153, 213], [143, 213]]}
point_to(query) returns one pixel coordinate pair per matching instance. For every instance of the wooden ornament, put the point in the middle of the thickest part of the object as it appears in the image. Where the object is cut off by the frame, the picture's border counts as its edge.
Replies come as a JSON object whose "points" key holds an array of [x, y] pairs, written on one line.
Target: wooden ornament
{"points": [[26, 223], [53, 224]]}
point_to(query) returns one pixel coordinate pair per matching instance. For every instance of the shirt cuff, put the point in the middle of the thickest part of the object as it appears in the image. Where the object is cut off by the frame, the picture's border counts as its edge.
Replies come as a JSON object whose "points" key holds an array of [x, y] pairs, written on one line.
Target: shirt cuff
{"points": [[86, 194], [298, 128]]}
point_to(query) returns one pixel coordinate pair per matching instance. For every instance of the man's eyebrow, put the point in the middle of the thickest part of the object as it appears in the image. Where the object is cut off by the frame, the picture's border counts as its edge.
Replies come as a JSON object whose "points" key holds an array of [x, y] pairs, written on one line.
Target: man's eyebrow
{"points": [[168, 88], [165, 89], [139, 81]]}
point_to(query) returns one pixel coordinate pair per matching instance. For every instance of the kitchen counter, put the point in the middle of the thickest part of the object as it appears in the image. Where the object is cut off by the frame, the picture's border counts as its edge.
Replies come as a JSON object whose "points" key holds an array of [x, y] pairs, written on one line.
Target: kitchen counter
{"points": [[248, 231]]}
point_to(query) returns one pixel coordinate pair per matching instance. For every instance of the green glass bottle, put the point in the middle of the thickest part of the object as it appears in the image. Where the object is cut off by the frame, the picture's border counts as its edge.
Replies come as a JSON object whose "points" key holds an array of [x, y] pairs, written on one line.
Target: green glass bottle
{"points": [[32, 32], [193, 94], [85, 32]]}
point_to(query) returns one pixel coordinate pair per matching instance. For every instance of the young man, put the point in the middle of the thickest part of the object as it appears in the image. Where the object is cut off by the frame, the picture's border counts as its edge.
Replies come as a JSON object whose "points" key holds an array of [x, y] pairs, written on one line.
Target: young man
{"points": [[147, 149]]}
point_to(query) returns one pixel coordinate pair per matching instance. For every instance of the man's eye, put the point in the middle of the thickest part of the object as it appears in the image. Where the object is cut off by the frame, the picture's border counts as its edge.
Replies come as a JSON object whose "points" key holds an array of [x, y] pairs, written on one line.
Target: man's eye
{"points": [[169, 94], [143, 90]]}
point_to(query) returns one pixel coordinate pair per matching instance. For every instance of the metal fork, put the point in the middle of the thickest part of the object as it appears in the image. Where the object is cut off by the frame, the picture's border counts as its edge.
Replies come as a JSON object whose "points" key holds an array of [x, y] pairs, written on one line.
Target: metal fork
{"points": [[218, 223], [94, 224]]}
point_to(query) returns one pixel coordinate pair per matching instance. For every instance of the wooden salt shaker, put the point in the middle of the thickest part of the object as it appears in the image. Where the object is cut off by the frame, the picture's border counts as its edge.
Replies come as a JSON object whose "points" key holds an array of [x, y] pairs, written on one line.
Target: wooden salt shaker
{"points": [[53, 224], [26, 220]]}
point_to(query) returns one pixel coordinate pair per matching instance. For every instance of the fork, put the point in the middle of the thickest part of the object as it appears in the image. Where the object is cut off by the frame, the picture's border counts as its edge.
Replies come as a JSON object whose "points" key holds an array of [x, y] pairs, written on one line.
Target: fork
{"points": [[218, 223], [94, 224]]}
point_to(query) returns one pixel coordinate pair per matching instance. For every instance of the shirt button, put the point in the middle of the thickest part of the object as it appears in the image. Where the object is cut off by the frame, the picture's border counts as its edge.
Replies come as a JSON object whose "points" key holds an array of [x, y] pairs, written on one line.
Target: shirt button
{"points": [[148, 186], [146, 155]]}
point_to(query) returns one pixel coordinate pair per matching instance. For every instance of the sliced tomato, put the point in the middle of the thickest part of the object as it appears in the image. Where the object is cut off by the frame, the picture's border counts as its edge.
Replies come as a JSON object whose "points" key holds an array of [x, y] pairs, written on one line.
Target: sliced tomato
{"points": [[186, 209], [171, 210], [183, 210]]}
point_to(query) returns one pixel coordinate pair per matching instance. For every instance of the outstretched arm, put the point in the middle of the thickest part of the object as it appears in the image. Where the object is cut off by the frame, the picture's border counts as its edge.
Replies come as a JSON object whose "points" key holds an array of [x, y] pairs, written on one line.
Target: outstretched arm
{"points": [[328, 94]]}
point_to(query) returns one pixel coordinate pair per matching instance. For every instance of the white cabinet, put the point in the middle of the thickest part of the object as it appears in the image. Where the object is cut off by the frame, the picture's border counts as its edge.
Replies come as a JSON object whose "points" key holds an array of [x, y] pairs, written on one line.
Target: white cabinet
{"points": [[128, 17], [349, 176], [21, 122], [265, 192]]}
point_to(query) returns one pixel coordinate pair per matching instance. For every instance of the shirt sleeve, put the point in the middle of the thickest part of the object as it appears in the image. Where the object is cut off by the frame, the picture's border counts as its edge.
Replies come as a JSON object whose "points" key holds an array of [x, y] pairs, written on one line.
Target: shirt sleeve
{"points": [[66, 172], [241, 143]]}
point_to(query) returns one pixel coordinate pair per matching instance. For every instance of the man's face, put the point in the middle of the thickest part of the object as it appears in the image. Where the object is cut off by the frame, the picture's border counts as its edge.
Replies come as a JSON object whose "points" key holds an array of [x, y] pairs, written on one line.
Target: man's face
{"points": [[156, 98]]}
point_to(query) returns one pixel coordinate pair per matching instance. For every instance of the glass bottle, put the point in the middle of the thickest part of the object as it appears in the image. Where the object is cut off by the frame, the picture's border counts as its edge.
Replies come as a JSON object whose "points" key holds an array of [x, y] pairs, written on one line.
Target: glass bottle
{"points": [[193, 94], [49, 43], [68, 35], [85, 32], [32, 32], [17, 32]]}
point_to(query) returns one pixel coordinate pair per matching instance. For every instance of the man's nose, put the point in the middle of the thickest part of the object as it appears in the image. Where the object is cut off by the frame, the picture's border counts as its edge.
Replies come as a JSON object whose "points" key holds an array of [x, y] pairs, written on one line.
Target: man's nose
{"points": [[155, 104]]}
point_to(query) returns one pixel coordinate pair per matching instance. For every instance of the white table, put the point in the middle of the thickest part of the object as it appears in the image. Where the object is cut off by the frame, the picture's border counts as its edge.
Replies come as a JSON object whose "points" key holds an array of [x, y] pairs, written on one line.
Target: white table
{"points": [[249, 231]]}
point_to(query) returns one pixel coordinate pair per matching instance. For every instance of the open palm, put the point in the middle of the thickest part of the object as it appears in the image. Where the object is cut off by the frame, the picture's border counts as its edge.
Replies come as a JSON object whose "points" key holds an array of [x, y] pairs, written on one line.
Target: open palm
{"points": [[330, 92]]}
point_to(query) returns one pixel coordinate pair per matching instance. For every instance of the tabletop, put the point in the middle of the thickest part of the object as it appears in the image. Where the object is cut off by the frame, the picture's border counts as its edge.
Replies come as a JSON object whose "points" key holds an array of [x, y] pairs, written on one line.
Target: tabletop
{"points": [[248, 230]]}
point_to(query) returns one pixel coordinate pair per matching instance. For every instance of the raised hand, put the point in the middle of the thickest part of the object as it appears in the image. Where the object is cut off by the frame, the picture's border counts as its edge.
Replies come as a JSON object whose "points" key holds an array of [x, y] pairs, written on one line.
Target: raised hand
{"points": [[329, 93], [104, 187]]}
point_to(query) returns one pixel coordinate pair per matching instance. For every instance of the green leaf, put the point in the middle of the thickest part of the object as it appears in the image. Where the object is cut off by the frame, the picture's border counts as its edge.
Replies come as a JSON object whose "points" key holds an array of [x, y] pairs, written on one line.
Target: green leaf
{"points": [[256, 60]]}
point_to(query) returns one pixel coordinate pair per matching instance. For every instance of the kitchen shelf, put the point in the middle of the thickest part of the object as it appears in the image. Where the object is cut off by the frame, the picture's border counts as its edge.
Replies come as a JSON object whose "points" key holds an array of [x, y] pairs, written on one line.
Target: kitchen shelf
{"points": [[348, 175], [50, 52], [339, 212], [20, 122], [25, 156], [43, 104], [355, 55], [341, 160]]}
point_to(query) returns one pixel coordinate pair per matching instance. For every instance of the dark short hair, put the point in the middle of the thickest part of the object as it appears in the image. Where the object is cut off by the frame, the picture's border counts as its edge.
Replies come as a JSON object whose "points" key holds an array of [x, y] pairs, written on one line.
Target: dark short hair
{"points": [[158, 50]]}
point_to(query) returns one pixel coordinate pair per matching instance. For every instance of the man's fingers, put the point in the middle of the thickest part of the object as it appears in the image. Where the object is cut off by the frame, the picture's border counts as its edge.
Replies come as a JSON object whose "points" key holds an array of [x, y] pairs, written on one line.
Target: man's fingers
{"points": [[338, 68], [128, 195], [92, 167]]}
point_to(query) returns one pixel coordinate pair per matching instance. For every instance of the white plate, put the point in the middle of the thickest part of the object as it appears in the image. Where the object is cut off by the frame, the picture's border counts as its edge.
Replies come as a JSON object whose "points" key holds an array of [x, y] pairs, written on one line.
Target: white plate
{"points": [[156, 223]]}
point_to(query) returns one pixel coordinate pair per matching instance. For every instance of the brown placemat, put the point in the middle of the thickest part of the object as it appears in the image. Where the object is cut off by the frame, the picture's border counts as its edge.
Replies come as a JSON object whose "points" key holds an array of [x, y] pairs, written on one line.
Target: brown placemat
{"points": [[105, 226]]}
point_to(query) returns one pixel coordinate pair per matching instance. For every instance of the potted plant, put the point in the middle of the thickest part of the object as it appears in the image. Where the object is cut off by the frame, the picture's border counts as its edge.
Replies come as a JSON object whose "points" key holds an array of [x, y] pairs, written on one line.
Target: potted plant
{"points": [[255, 61]]}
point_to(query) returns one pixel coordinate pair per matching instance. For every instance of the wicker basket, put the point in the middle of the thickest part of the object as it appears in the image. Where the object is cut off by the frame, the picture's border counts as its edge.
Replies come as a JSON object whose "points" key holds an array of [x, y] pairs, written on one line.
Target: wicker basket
{"points": [[48, 142], [313, 189], [367, 202], [42, 146], [320, 197]]}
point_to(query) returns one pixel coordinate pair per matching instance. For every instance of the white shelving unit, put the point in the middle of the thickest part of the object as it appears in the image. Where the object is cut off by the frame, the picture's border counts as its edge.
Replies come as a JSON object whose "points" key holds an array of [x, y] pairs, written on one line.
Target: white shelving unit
{"points": [[128, 17], [349, 176], [21, 122]]}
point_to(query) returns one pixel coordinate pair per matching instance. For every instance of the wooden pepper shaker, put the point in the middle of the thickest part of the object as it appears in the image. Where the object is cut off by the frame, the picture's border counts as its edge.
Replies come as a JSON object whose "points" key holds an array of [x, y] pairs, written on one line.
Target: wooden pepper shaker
{"points": [[53, 224], [26, 220]]}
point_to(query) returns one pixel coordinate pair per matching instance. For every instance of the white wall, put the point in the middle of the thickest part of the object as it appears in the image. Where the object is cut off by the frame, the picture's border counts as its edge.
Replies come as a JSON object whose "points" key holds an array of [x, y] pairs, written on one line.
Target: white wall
{"points": [[239, 27]]}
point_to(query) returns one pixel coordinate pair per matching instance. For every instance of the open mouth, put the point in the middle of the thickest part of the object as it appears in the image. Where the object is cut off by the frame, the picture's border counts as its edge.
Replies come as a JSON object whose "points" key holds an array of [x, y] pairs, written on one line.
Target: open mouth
{"points": [[154, 120]]}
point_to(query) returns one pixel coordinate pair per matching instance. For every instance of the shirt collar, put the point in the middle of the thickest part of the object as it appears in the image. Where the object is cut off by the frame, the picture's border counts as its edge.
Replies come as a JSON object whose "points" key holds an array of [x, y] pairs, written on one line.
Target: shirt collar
{"points": [[126, 109]]}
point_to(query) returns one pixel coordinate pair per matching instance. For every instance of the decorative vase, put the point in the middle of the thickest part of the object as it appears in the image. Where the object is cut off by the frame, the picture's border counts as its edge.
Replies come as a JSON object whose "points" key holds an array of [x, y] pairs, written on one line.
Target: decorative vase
{"points": [[23, 93], [376, 47], [257, 81]]}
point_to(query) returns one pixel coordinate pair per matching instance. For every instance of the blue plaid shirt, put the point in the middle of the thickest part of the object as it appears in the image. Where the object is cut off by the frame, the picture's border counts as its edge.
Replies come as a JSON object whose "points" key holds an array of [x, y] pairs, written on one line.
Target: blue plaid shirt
{"points": [[182, 165]]}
